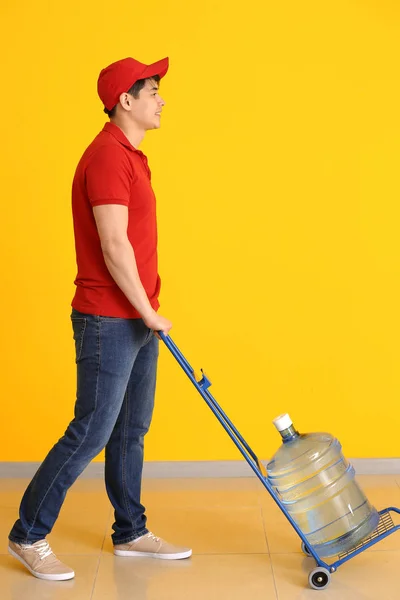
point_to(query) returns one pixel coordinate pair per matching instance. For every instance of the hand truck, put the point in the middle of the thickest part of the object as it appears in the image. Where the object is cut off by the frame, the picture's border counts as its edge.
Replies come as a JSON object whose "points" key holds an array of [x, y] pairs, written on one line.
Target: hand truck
{"points": [[319, 577]]}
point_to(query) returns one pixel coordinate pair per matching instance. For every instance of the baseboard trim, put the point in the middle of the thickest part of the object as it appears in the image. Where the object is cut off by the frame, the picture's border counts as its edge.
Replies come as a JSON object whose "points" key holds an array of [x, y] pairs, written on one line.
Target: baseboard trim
{"points": [[201, 469]]}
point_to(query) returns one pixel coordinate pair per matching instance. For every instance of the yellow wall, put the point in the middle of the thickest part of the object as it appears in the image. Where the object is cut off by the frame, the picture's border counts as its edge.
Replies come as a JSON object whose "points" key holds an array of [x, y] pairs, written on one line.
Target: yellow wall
{"points": [[277, 177]]}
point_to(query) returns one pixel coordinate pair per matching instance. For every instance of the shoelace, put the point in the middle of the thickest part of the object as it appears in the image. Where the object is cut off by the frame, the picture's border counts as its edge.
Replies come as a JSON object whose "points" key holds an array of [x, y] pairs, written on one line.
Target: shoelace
{"points": [[153, 537], [43, 549]]}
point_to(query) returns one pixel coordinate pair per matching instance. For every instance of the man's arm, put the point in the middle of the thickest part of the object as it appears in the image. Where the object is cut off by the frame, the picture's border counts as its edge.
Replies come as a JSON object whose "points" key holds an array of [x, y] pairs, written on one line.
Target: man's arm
{"points": [[119, 256]]}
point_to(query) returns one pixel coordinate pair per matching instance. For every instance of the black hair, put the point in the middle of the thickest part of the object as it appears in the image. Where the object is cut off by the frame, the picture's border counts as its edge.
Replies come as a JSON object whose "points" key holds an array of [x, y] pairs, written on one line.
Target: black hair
{"points": [[133, 91]]}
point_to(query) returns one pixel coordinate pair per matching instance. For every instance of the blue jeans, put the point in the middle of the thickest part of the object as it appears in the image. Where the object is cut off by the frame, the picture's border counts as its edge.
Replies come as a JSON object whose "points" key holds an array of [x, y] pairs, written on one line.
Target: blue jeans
{"points": [[116, 379]]}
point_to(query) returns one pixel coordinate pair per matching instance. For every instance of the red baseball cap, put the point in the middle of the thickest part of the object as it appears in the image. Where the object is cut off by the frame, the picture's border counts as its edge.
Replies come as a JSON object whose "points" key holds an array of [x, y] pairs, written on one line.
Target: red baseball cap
{"points": [[120, 76]]}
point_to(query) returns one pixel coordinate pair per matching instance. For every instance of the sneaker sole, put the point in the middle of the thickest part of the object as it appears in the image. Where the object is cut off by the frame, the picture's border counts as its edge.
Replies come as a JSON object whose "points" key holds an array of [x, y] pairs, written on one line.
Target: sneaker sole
{"points": [[176, 556], [50, 577]]}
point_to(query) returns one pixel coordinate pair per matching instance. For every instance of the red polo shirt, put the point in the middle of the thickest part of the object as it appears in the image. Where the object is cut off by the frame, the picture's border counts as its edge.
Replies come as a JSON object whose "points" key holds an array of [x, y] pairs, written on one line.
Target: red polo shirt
{"points": [[112, 171]]}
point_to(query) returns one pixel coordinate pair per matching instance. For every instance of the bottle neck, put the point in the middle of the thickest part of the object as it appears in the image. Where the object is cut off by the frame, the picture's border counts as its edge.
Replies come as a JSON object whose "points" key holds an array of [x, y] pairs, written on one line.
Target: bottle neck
{"points": [[289, 434]]}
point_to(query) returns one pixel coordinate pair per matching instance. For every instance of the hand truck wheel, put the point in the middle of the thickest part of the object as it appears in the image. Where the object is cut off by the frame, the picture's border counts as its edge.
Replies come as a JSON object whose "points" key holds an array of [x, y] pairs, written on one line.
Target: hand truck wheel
{"points": [[319, 578], [305, 549]]}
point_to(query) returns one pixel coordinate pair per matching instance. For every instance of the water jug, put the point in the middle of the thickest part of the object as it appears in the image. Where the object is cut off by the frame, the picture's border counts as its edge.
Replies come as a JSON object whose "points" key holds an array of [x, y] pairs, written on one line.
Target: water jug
{"points": [[318, 488]]}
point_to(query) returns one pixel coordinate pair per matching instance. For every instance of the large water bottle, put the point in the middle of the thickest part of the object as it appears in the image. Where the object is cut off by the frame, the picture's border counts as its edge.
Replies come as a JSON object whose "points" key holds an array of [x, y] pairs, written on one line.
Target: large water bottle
{"points": [[318, 488]]}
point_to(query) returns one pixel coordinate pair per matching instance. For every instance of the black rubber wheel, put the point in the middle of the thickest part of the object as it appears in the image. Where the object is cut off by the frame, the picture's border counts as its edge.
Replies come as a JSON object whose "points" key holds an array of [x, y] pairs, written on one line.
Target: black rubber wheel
{"points": [[305, 550], [319, 578]]}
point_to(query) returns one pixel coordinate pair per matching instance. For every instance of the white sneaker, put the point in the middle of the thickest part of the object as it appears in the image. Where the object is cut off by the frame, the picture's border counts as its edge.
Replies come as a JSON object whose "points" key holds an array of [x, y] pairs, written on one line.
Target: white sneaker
{"points": [[153, 546], [40, 560]]}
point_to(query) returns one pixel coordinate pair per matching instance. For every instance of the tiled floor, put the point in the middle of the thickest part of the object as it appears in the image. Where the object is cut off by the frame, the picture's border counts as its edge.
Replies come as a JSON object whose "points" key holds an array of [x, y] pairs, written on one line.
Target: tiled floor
{"points": [[243, 549]]}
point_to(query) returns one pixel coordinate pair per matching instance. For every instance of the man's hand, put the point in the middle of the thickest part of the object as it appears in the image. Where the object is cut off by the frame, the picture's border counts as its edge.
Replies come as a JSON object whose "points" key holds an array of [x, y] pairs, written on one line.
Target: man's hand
{"points": [[157, 323]]}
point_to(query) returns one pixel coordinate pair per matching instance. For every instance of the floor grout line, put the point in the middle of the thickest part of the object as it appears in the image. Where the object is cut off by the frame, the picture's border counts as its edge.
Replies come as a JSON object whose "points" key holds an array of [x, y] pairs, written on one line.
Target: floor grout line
{"points": [[106, 529], [95, 577], [273, 578], [100, 553], [269, 552], [264, 528]]}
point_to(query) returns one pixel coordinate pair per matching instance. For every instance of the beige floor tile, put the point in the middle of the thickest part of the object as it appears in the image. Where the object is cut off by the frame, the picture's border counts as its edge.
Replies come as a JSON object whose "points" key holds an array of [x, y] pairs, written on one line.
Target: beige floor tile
{"points": [[14, 484], [8, 516], [169, 492], [281, 537], [97, 501], [211, 530], [97, 504], [95, 484], [202, 483], [10, 499], [382, 491], [18, 584], [235, 577], [197, 498], [372, 576], [376, 481], [80, 531], [85, 493]]}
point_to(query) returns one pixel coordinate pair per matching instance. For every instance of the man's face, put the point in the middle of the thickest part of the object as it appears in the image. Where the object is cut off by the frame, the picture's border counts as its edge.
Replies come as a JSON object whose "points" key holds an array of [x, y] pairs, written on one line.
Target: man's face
{"points": [[146, 110]]}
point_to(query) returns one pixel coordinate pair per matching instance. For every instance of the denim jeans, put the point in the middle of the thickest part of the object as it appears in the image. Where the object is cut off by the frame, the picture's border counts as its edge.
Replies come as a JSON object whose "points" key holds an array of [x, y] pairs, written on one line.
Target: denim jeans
{"points": [[116, 378]]}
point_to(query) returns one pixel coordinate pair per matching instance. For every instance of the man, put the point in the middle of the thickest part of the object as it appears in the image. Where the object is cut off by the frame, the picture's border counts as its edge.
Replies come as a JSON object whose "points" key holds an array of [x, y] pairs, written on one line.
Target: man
{"points": [[114, 317]]}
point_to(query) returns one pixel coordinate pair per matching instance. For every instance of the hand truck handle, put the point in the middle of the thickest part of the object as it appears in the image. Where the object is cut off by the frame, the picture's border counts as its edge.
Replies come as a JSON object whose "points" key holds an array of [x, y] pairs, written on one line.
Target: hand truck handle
{"points": [[202, 384]]}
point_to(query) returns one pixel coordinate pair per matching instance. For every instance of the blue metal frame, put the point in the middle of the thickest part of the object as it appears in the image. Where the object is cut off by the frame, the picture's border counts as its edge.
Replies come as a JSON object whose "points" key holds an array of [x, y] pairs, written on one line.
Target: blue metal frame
{"points": [[202, 384]]}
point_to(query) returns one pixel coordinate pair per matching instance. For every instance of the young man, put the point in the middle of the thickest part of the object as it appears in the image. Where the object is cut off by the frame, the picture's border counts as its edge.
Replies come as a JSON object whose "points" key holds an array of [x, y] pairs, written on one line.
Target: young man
{"points": [[114, 318]]}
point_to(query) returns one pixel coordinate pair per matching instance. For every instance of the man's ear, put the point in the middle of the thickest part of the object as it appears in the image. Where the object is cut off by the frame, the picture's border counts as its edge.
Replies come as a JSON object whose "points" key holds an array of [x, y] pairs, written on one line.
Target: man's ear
{"points": [[126, 101]]}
